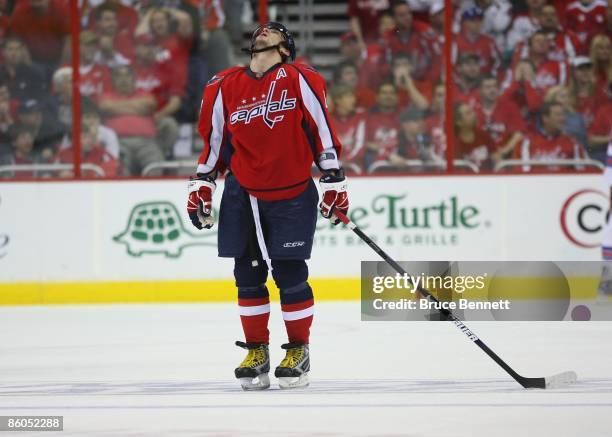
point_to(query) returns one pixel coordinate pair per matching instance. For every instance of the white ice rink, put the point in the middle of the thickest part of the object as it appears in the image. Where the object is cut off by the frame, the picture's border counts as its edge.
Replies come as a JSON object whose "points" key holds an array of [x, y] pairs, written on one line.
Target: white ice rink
{"points": [[167, 370]]}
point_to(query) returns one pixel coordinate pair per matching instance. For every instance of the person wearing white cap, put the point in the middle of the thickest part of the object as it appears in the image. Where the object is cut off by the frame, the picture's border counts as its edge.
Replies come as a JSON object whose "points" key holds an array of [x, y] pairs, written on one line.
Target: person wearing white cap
{"points": [[496, 19], [586, 96]]}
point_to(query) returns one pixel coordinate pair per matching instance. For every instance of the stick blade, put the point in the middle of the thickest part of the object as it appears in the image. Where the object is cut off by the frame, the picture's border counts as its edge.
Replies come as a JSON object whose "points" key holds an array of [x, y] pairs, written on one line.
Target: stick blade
{"points": [[561, 379]]}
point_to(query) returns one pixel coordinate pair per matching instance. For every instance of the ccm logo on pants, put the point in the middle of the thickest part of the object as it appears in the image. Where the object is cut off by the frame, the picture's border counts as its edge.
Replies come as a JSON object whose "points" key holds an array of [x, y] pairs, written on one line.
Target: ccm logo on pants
{"points": [[294, 244]]}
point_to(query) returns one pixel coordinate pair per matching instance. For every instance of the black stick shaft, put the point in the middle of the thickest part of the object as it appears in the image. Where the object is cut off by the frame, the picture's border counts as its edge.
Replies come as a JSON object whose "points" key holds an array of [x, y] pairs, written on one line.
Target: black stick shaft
{"points": [[525, 382]]}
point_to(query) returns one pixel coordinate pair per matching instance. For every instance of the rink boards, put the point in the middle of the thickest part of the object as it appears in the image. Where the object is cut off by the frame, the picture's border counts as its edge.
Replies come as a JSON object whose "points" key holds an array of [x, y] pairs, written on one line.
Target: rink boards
{"points": [[131, 241]]}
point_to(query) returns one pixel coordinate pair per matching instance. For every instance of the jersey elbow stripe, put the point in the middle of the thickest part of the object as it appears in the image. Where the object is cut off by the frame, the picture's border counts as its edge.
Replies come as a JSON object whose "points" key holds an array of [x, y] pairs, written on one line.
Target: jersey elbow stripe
{"points": [[215, 138], [316, 111]]}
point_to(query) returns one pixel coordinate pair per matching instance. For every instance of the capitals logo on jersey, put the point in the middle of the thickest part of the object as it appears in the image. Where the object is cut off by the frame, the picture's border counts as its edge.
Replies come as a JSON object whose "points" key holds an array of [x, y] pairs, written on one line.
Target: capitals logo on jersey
{"points": [[266, 108]]}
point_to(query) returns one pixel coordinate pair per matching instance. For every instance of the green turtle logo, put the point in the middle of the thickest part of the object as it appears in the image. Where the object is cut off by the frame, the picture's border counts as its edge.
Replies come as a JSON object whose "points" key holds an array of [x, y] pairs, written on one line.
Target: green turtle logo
{"points": [[156, 227]]}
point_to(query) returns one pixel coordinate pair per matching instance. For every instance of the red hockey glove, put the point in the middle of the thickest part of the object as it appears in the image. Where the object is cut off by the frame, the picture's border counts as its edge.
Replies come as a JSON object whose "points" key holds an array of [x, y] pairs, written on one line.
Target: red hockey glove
{"points": [[333, 184], [199, 204]]}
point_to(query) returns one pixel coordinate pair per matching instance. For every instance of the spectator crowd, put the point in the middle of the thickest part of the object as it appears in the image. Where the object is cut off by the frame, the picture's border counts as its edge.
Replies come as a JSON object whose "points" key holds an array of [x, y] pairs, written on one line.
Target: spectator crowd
{"points": [[143, 65], [531, 80]]}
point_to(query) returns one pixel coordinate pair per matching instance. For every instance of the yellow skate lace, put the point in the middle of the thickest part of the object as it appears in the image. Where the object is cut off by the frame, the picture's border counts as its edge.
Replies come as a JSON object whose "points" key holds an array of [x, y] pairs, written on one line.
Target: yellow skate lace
{"points": [[254, 358], [293, 357]]}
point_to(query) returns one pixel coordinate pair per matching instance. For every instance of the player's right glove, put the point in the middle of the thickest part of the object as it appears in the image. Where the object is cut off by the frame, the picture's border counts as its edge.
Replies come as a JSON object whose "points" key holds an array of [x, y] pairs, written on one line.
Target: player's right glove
{"points": [[333, 184], [199, 205]]}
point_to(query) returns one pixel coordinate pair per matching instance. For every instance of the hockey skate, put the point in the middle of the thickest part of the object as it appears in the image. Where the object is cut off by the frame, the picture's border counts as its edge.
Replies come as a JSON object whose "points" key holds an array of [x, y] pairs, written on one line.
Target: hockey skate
{"points": [[293, 370], [253, 371]]}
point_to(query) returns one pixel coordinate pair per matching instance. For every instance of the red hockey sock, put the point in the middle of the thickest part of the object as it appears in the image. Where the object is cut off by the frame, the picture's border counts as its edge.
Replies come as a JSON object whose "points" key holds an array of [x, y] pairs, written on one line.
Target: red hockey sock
{"points": [[254, 315], [298, 318]]}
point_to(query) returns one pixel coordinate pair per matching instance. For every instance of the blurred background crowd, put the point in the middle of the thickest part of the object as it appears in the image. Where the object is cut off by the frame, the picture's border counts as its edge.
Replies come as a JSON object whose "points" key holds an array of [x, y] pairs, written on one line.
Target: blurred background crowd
{"points": [[531, 81]]}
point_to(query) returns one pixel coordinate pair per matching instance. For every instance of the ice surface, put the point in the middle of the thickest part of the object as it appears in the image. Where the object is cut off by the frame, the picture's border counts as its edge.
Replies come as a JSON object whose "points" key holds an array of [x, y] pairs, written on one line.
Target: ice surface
{"points": [[138, 370]]}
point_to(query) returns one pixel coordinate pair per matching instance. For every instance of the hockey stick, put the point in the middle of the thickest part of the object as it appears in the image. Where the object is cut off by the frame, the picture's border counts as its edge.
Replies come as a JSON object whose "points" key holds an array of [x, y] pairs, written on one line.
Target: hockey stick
{"points": [[553, 381]]}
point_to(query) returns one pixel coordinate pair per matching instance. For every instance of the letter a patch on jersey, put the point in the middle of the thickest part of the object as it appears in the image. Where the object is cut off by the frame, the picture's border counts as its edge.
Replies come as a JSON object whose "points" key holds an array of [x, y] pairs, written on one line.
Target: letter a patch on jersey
{"points": [[281, 73]]}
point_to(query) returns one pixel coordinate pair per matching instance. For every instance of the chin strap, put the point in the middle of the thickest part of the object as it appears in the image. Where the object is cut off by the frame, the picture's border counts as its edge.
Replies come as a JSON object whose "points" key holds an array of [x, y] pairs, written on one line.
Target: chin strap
{"points": [[252, 51]]}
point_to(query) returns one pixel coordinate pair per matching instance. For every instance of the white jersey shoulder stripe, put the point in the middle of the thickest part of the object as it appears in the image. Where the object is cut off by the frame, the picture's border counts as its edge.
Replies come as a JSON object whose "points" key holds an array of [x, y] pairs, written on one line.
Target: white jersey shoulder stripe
{"points": [[586, 8], [328, 159], [216, 135]]}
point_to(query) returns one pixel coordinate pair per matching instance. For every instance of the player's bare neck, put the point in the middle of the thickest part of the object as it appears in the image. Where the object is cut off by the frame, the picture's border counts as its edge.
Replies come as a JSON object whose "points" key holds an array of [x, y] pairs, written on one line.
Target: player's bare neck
{"points": [[262, 62]]}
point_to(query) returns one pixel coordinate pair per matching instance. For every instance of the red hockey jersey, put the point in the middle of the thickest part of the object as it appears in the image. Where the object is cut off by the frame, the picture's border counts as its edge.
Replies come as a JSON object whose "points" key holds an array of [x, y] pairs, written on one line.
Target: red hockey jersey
{"points": [[351, 132], [95, 80], [543, 147], [484, 46], [267, 130], [503, 121], [586, 20]]}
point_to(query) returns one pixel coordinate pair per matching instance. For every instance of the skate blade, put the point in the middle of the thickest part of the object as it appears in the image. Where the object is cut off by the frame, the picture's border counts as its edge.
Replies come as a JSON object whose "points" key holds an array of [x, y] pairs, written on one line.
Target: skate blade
{"points": [[301, 381], [561, 379], [260, 382]]}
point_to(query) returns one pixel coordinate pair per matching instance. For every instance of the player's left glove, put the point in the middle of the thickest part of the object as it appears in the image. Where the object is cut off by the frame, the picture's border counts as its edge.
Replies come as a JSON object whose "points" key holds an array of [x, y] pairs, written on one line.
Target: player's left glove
{"points": [[199, 205], [333, 184]]}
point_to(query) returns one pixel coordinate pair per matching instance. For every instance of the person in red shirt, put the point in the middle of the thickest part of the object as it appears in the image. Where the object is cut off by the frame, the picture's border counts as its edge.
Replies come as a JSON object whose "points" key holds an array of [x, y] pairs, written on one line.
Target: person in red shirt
{"points": [[411, 37], [267, 123], [410, 91], [434, 121], [601, 56], [472, 40], [414, 143], [587, 18], [127, 17], [363, 16], [382, 125], [91, 153], [372, 63], [349, 123], [531, 78], [116, 45], [586, 95], [500, 117], [346, 73], [175, 44], [95, 78], [129, 112], [153, 77], [600, 132], [45, 27], [547, 141], [546, 71], [471, 142], [467, 79], [564, 44], [436, 20]]}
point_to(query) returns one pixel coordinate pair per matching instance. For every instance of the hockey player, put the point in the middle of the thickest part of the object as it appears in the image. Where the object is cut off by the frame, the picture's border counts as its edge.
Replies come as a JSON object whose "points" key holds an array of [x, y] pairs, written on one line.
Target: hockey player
{"points": [[265, 124]]}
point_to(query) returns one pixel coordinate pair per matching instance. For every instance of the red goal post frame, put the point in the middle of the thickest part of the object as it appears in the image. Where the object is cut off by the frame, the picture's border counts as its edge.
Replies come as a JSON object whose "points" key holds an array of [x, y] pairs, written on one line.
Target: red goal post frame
{"points": [[75, 56], [449, 127]]}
